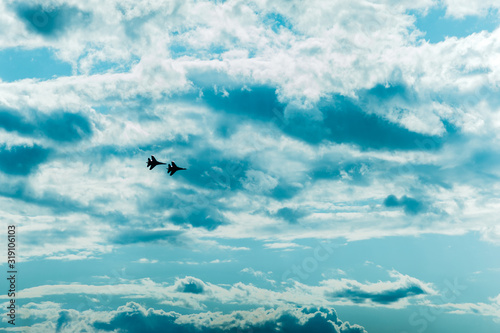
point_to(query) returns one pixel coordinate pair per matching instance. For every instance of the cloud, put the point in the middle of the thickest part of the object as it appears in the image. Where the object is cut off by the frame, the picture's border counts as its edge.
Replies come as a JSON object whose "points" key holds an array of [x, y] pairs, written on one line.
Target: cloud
{"points": [[207, 217], [22, 160], [137, 319], [194, 293], [58, 126], [383, 293], [345, 122], [461, 9], [259, 274], [290, 215], [133, 317], [255, 102], [300, 112], [386, 297], [282, 245], [258, 181], [11, 121], [295, 119], [491, 309], [191, 285], [411, 206], [51, 21], [132, 236], [218, 261], [67, 127], [64, 318], [146, 261]]}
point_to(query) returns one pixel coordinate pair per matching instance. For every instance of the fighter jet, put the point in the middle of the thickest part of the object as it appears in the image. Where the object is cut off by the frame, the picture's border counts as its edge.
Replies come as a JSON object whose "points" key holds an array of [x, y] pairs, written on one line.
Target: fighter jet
{"points": [[173, 168], [152, 162]]}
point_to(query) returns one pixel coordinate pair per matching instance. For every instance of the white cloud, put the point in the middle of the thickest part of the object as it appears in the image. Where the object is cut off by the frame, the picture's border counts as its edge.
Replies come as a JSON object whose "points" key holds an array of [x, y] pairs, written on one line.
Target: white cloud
{"points": [[285, 246], [218, 261], [258, 181], [146, 261], [461, 8], [92, 321], [259, 274], [483, 309], [192, 292]]}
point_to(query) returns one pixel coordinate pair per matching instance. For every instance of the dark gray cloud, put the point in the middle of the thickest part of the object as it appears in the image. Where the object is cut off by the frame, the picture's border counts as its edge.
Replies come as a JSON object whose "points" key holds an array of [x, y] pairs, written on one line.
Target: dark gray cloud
{"points": [[198, 215], [291, 215], [411, 206], [51, 21], [190, 285], [257, 102], [13, 122], [66, 127], [344, 120], [357, 295], [285, 190], [136, 235], [133, 318], [63, 320], [58, 126], [22, 160]]}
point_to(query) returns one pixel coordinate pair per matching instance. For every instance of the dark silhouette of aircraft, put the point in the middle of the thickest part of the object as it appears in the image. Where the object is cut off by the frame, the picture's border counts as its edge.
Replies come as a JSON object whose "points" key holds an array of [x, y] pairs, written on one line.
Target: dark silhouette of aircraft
{"points": [[152, 162], [173, 168]]}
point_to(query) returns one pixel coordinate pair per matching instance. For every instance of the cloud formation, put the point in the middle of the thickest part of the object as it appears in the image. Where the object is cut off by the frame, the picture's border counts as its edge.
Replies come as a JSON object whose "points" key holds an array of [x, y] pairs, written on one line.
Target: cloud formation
{"points": [[134, 317], [191, 292], [410, 205], [297, 121]]}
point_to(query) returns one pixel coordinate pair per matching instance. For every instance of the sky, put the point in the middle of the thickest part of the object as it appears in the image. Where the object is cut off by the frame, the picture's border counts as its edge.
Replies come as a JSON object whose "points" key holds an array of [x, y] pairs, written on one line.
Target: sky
{"points": [[342, 165]]}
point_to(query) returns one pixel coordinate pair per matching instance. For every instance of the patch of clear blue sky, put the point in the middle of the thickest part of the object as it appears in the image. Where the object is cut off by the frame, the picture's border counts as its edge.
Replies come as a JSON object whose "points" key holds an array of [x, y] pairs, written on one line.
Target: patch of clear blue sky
{"points": [[437, 26], [17, 64]]}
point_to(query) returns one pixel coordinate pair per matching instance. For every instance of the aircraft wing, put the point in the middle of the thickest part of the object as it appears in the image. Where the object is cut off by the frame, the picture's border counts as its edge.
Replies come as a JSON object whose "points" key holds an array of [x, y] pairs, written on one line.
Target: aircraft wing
{"points": [[153, 158], [172, 172], [151, 167], [173, 164]]}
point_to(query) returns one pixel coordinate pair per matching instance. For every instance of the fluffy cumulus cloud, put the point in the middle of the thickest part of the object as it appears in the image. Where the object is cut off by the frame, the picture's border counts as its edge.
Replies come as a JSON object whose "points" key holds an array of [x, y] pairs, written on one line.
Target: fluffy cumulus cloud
{"points": [[134, 317]]}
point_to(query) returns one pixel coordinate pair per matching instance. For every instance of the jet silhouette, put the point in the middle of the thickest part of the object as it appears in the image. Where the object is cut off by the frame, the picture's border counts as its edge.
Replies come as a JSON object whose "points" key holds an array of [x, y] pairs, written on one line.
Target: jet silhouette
{"points": [[152, 162], [173, 168]]}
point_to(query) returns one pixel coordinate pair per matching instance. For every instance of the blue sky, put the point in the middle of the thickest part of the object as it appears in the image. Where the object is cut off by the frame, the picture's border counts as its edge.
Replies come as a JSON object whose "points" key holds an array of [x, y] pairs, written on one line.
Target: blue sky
{"points": [[342, 165]]}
